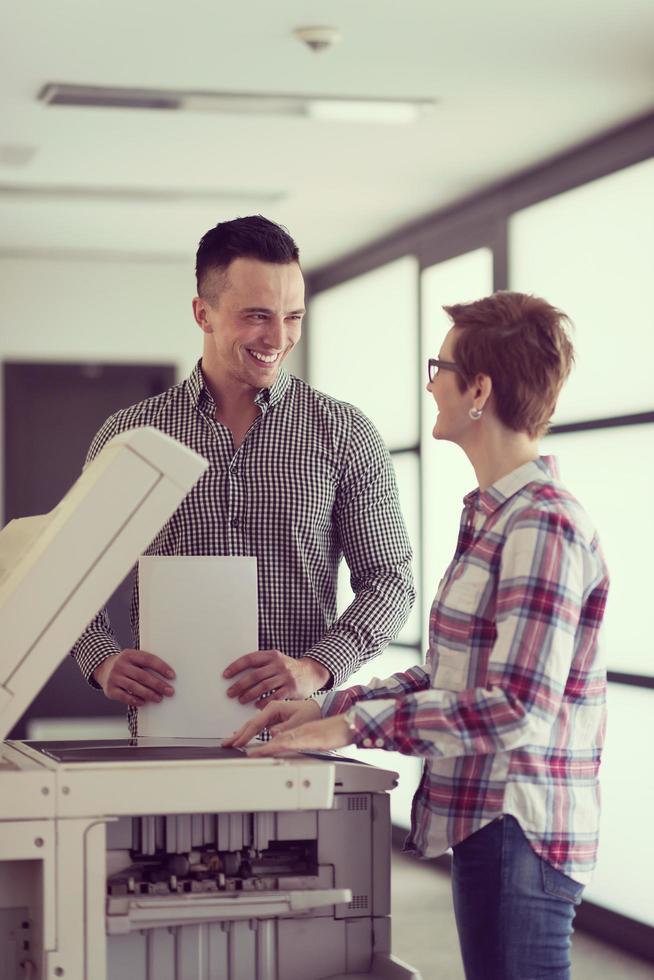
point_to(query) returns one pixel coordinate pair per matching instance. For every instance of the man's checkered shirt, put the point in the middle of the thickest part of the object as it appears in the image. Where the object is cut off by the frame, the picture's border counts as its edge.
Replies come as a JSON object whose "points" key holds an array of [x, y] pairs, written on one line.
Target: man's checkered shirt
{"points": [[312, 481]]}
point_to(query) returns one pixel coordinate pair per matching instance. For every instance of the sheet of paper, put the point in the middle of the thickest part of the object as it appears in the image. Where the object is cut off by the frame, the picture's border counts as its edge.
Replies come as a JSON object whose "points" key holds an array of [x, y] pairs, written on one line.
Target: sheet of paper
{"points": [[198, 614]]}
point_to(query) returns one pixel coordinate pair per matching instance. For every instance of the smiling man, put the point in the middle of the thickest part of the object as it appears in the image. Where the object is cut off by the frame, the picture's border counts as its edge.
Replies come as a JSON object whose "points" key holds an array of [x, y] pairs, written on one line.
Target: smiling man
{"points": [[296, 479]]}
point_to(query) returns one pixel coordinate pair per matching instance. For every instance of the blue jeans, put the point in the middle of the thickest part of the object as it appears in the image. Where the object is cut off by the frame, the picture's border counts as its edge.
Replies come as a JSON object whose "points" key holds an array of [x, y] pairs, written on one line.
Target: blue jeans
{"points": [[513, 910]]}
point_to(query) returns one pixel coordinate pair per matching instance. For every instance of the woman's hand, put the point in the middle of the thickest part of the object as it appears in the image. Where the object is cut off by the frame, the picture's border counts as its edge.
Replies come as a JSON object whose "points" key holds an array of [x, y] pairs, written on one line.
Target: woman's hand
{"points": [[278, 716], [327, 733]]}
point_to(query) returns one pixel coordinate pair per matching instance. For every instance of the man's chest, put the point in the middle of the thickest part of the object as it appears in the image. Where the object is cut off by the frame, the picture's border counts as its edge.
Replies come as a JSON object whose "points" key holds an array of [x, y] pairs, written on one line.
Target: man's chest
{"points": [[278, 483]]}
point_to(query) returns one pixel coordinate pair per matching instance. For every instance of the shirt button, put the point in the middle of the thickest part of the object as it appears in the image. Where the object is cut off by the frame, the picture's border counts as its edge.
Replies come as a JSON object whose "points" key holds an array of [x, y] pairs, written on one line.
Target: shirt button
{"points": [[235, 522], [367, 742], [379, 743]]}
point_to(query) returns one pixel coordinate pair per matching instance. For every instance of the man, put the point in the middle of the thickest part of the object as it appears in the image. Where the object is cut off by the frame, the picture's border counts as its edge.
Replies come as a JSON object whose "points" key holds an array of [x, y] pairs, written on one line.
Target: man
{"points": [[296, 479]]}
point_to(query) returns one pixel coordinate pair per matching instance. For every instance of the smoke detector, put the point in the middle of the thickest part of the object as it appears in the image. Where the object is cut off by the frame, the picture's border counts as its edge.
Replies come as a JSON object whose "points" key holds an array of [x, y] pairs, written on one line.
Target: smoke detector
{"points": [[317, 38]]}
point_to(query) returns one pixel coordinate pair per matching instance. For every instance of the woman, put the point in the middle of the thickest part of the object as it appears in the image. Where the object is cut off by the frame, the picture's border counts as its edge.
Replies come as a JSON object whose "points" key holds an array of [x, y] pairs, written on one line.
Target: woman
{"points": [[508, 711]]}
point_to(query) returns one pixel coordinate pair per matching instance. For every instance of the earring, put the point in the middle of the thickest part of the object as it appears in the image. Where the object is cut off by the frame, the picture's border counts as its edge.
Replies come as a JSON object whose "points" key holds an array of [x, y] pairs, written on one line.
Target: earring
{"points": [[475, 413]]}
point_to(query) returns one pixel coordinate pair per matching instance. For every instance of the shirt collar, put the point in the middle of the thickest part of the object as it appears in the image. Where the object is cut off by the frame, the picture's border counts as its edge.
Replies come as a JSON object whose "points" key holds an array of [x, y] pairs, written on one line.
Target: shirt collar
{"points": [[267, 397], [196, 386], [264, 399], [540, 470]]}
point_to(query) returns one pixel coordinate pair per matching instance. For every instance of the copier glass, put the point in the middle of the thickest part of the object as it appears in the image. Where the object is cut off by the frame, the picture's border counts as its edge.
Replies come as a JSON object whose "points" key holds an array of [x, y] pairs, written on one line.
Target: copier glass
{"points": [[154, 859]]}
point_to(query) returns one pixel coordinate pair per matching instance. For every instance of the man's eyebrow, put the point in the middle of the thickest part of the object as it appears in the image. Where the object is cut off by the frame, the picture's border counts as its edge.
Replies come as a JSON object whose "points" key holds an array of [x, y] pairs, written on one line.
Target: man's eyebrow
{"points": [[265, 309]]}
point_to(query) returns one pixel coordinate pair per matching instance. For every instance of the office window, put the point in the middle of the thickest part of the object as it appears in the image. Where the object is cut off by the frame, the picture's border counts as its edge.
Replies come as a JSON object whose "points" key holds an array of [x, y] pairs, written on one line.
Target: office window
{"points": [[589, 252], [446, 473], [611, 472], [625, 869], [407, 473], [363, 347], [408, 767]]}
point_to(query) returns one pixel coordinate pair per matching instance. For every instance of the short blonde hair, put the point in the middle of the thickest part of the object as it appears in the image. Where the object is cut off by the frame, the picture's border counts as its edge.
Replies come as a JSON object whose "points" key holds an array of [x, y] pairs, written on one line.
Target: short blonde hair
{"points": [[522, 343]]}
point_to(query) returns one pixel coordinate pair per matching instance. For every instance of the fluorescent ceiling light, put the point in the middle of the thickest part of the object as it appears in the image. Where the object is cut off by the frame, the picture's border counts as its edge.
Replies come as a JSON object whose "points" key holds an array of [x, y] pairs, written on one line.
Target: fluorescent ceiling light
{"points": [[138, 195], [342, 108]]}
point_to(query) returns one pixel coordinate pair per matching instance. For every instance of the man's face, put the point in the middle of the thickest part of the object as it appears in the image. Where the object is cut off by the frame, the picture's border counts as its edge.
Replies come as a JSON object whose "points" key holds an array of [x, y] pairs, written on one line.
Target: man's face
{"points": [[252, 319]]}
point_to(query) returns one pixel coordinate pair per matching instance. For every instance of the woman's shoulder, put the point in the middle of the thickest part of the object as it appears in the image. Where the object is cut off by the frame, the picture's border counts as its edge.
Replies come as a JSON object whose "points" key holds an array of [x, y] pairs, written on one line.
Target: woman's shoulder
{"points": [[551, 506]]}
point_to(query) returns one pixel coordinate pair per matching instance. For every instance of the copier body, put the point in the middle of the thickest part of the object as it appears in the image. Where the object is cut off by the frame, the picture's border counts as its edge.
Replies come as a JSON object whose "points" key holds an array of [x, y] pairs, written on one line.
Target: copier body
{"points": [[150, 859], [139, 860]]}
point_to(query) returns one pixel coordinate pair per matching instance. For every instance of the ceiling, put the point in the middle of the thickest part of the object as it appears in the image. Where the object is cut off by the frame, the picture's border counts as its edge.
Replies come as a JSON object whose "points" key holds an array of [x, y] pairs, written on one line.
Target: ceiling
{"points": [[516, 81]]}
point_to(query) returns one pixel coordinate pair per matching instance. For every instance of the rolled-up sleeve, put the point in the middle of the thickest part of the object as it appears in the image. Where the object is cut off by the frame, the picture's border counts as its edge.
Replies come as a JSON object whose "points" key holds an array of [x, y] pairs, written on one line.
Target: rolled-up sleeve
{"points": [[539, 603]]}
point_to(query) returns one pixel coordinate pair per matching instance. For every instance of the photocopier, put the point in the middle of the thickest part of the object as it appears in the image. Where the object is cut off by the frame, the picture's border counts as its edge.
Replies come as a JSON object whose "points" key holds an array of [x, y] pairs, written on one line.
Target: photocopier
{"points": [[166, 859]]}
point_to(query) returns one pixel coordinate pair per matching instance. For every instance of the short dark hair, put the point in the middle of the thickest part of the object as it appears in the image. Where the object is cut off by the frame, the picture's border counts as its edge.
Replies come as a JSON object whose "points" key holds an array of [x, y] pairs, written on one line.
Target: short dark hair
{"points": [[522, 343], [254, 237]]}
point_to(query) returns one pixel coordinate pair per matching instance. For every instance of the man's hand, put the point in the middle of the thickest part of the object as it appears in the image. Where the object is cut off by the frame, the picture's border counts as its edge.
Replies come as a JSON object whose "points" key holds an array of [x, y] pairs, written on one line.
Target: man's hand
{"points": [[277, 716], [271, 670], [134, 677], [327, 733]]}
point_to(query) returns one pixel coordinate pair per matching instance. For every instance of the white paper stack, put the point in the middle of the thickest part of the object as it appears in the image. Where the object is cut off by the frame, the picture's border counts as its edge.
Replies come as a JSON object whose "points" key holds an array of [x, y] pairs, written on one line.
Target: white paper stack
{"points": [[198, 614]]}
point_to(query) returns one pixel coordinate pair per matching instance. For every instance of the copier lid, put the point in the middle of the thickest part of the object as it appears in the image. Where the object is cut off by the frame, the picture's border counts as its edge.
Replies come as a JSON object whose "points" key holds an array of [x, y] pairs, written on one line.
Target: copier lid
{"points": [[57, 570]]}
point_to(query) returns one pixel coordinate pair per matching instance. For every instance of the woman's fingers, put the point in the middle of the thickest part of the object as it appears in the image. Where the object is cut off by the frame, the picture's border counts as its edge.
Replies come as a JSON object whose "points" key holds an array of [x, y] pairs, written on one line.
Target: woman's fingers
{"points": [[288, 714], [328, 733], [252, 727], [245, 734], [289, 741]]}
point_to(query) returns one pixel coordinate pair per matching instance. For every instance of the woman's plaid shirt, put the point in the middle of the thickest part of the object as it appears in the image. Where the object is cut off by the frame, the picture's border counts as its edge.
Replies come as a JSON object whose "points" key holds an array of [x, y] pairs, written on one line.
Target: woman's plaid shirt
{"points": [[311, 482], [509, 710]]}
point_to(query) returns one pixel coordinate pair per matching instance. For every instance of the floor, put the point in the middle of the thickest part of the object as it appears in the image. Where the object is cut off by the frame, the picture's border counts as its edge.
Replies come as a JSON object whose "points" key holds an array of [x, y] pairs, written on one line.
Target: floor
{"points": [[424, 933]]}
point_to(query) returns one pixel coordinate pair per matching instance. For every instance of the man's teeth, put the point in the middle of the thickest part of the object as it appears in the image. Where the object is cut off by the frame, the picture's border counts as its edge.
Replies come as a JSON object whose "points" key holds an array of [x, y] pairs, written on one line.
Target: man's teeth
{"points": [[266, 358]]}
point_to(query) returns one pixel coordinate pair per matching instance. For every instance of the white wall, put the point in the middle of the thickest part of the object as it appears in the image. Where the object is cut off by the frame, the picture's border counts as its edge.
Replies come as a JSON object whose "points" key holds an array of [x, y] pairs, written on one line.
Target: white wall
{"points": [[112, 310], [108, 310], [85, 309]]}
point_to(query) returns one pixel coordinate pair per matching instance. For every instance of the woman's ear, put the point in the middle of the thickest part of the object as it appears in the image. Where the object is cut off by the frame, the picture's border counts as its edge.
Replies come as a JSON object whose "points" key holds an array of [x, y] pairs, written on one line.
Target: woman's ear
{"points": [[483, 387]]}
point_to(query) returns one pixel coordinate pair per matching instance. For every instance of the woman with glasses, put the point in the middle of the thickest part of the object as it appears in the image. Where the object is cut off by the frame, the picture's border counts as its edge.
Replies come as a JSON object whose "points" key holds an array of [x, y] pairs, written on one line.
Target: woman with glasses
{"points": [[508, 711]]}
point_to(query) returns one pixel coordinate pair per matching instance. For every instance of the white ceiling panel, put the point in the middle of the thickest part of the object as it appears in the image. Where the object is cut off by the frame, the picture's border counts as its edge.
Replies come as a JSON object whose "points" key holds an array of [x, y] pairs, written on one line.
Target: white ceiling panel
{"points": [[515, 83]]}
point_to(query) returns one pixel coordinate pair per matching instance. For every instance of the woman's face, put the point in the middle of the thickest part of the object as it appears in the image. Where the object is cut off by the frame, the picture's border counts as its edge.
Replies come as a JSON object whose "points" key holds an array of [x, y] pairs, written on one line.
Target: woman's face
{"points": [[453, 420]]}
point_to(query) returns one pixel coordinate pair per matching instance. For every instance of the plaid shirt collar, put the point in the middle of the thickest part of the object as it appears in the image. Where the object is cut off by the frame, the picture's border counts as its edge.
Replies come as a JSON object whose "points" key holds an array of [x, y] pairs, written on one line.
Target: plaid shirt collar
{"points": [[540, 470], [264, 399]]}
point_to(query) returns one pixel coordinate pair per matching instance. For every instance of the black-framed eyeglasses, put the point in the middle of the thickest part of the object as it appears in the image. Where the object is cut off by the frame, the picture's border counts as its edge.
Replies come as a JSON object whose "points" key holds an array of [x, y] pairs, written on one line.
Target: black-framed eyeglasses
{"points": [[434, 364]]}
